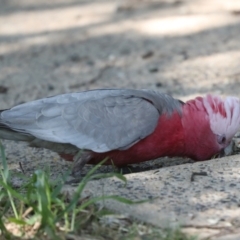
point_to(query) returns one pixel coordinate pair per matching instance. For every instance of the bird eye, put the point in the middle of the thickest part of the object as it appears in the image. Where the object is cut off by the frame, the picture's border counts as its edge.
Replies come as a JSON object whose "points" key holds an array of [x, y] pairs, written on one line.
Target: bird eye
{"points": [[221, 139]]}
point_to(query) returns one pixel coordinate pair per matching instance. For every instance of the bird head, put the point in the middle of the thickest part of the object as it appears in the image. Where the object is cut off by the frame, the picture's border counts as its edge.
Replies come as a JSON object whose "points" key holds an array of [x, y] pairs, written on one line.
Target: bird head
{"points": [[224, 117], [212, 123]]}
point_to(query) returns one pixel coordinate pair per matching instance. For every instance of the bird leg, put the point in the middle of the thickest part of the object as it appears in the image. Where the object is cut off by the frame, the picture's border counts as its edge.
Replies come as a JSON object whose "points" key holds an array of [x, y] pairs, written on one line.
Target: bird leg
{"points": [[79, 161]]}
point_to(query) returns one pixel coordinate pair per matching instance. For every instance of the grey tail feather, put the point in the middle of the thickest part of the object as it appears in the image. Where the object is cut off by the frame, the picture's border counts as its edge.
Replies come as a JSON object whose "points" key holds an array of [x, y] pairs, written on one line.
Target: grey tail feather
{"points": [[9, 134]]}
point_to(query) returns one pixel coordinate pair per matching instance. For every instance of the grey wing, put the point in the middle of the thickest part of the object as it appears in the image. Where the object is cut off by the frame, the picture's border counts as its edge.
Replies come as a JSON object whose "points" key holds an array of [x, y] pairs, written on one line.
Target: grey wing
{"points": [[100, 121]]}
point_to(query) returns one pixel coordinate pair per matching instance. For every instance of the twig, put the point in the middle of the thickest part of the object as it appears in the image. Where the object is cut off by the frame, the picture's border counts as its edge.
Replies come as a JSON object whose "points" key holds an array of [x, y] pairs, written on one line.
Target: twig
{"points": [[205, 226], [21, 167]]}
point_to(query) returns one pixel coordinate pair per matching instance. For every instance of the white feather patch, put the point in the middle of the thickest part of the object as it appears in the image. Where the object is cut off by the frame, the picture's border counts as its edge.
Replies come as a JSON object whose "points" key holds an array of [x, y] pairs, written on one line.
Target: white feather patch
{"points": [[224, 115]]}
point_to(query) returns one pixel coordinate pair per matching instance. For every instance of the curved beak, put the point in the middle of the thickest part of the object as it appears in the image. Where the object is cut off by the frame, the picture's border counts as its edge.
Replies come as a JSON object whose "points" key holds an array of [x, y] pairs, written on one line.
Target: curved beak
{"points": [[222, 153], [227, 150]]}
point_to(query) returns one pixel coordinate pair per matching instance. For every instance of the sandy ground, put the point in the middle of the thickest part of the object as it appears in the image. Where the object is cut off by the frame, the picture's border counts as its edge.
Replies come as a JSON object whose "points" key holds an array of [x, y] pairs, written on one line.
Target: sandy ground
{"points": [[185, 48], [182, 47]]}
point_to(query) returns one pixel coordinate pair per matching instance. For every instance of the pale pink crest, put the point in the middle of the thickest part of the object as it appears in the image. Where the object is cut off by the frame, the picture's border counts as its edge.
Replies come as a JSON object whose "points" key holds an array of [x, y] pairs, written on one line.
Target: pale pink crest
{"points": [[224, 115]]}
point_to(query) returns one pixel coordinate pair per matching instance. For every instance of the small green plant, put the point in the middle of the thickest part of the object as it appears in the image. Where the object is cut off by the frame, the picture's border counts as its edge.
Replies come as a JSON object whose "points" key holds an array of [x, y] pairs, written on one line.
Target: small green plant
{"points": [[40, 205]]}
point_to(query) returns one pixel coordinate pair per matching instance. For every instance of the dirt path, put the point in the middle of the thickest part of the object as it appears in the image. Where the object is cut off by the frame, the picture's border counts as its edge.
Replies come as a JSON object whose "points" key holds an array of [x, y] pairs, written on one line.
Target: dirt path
{"points": [[182, 47]]}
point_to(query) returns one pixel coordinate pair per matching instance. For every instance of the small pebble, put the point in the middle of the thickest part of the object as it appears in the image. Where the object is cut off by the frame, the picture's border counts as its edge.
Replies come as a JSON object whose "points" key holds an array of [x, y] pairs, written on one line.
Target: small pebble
{"points": [[153, 69], [148, 54], [75, 58], [50, 87], [158, 84], [235, 12], [3, 89]]}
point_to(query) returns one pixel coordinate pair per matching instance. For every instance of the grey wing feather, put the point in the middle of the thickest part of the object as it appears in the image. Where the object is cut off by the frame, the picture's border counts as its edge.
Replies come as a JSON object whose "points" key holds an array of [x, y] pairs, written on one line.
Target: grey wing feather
{"points": [[98, 120]]}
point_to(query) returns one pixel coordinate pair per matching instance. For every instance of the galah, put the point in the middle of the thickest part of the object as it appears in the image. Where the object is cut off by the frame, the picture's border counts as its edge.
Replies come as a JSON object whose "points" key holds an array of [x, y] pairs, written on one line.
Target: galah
{"points": [[127, 126]]}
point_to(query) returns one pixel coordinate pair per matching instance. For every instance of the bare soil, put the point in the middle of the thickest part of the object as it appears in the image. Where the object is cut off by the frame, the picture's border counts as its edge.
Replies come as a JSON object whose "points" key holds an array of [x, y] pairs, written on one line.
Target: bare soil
{"points": [[181, 47]]}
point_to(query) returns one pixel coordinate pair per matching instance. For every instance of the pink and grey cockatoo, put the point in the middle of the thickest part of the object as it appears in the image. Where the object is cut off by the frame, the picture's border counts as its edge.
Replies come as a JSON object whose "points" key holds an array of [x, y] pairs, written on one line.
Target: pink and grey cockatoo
{"points": [[127, 126]]}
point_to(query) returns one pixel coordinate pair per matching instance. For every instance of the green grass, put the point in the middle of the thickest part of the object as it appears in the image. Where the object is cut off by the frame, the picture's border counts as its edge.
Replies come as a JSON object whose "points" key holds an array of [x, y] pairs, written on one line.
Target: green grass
{"points": [[39, 210]]}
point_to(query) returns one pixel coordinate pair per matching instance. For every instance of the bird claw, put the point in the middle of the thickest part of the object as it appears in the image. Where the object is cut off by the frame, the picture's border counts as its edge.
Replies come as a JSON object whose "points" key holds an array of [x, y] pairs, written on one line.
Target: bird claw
{"points": [[73, 180]]}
